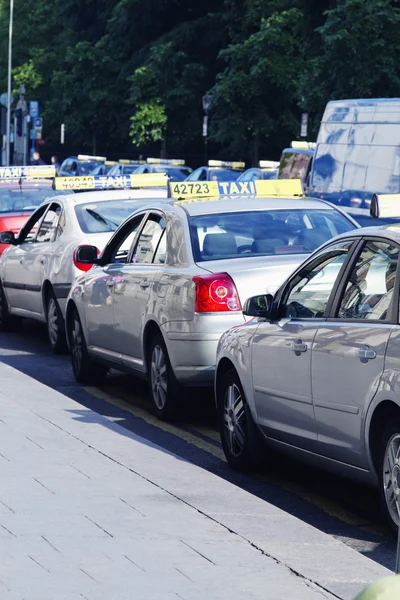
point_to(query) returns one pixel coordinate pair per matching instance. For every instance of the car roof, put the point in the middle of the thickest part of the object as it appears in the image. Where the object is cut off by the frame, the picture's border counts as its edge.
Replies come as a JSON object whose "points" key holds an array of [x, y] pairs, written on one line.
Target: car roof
{"points": [[103, 195], [307, 151], [201, 206], [391, 232]]}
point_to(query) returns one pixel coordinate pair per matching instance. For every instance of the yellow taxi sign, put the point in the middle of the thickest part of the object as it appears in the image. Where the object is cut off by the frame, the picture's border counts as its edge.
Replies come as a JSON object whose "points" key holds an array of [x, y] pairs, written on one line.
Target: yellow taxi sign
{"points": [[110, 163], [109, 182], [178, 162], [268, 164], [89, 158], [28, 172], [227, 164], [217, 189], [385, 205]]}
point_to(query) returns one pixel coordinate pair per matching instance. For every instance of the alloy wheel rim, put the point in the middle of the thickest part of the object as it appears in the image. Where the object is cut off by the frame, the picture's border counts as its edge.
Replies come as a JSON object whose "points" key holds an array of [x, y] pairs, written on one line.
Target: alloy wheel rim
{"points": [[52, 321], [391, 477], [76, 345], [159, 377], [234, 420]]}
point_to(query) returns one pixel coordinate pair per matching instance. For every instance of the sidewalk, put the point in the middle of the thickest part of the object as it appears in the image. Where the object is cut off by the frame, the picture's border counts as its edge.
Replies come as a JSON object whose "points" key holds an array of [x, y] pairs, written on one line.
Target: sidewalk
{"points": [[89, 510]]}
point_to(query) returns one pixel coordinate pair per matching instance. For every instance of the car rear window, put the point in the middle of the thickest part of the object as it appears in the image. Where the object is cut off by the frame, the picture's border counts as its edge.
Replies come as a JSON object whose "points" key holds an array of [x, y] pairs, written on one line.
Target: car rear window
{"points": [[25, 197], [263, 232], [104, 217], [223, 175]]}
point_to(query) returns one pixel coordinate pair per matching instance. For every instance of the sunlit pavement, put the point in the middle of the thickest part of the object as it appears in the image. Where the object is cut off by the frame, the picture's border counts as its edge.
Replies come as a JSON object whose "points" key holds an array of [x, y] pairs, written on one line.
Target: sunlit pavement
{"points": [[105, 502]]}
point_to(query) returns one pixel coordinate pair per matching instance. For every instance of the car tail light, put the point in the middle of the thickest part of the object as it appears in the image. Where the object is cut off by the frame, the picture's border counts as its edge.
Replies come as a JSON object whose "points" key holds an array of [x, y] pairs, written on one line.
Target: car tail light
{"points": [[83, 266], [216, 293]]}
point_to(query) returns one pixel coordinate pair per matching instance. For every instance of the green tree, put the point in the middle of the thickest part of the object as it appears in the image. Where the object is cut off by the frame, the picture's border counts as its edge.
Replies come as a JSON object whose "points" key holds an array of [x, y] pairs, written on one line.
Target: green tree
{"points": [[148, 124], [358, 58], [256, 95]]}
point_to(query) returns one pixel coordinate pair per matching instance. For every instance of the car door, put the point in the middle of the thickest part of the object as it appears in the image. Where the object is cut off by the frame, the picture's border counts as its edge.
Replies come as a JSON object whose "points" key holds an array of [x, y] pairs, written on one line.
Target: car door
{"points": [[99, 292], [133, 284], [349, 351], [282, 349], [14, 264], [37, 255]]}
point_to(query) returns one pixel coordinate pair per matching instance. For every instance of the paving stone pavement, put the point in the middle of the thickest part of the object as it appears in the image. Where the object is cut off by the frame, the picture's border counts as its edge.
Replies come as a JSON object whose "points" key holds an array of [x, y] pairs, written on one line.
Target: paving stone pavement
{"points": [[89, 510]]}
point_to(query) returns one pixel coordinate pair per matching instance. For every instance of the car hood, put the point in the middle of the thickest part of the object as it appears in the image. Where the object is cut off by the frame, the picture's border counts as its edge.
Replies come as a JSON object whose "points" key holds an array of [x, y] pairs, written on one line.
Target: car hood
{"points": [[256, 275]]}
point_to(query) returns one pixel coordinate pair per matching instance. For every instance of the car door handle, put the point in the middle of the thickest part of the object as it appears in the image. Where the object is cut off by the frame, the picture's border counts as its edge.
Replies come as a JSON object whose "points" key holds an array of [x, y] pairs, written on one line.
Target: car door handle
{"points": [[144, 284], [298, 347], [366, 353], [110, 283]]}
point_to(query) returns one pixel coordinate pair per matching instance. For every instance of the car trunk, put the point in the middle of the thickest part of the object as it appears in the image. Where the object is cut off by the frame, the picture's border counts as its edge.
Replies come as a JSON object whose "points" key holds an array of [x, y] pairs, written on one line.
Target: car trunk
{"points": [[256, 275]]}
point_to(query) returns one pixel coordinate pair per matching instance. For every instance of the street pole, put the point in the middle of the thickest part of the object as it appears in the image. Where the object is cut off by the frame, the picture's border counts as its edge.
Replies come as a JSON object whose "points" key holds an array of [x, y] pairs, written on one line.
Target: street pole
{"points": [[8, 130]]}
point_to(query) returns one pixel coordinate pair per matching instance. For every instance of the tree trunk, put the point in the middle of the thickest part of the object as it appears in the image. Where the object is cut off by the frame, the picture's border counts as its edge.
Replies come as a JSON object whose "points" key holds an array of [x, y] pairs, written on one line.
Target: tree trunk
{"points": [[255, 150], [94, 142]]}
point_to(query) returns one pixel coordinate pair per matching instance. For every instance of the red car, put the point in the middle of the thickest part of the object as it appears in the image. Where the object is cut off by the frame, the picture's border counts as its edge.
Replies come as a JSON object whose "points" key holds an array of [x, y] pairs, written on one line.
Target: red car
{"points": [[18, 199]]}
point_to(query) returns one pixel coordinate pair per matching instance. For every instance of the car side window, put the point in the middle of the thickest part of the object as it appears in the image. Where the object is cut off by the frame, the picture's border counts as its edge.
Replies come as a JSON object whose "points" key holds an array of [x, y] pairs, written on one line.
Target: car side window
{"points": [[161, 252], [48, 227], [29, 231], [369, 289], [148, 240], [121, 250], [310, 290]]}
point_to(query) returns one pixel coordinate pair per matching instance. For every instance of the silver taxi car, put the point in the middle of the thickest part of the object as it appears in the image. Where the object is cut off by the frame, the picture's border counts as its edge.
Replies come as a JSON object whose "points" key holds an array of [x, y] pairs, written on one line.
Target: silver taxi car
{"points": [[316, 372], [159, 309], [37, 270]]}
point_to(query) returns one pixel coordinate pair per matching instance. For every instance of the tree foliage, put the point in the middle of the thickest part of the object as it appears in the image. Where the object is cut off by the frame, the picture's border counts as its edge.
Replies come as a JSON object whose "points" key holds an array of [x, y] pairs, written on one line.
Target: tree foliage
{"points": [[128, 76]]}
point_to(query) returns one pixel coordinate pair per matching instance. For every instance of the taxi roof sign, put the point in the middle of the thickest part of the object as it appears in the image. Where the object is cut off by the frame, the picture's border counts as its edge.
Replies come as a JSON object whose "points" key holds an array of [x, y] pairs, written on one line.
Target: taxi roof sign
{"points": [[227, 164], [110, 182], [301, 145], [89, 158], [110, 163], [196, 191], [385, 205], [178, 162], [28, 172], [268, 164], [126, 161]]}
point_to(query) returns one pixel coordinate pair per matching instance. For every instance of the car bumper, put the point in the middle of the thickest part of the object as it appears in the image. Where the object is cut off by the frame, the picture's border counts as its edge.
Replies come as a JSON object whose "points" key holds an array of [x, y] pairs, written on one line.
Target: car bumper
{"points": [[193, 353]]}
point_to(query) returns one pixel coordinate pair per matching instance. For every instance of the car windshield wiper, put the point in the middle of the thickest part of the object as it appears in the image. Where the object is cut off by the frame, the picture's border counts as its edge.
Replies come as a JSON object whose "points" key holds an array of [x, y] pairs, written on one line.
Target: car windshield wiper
{"points": [[100, 217]]}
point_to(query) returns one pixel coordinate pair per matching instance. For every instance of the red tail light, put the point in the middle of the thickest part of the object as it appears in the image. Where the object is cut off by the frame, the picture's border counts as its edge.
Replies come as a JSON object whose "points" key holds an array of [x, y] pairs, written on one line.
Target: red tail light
{"points": [[216, 293], [83, 266]]}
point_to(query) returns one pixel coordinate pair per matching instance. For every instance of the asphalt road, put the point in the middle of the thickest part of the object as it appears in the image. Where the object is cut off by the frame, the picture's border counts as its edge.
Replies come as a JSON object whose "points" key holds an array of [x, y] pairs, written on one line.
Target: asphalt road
{"points": [[341, 508]]}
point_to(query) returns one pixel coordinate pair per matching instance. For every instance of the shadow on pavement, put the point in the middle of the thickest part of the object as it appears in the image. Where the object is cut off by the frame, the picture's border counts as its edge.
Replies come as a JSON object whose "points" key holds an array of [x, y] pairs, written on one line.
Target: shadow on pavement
{"points": [[318, 498]]}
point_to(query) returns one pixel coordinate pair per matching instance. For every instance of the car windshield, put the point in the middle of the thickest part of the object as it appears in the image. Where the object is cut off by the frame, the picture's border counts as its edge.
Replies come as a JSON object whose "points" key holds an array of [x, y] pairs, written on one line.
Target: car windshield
{"points": [[294, 165], [263, 232], [175, 173], [104, 217], [86, 168], [223, 175], [25, 197]]}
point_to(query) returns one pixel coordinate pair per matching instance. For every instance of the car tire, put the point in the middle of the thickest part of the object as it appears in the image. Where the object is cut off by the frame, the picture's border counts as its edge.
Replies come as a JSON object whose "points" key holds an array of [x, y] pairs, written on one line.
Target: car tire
{"points": [[55, 325], [389, 473], [240, 437], [7, 321], [166, 393], [85, 370]]}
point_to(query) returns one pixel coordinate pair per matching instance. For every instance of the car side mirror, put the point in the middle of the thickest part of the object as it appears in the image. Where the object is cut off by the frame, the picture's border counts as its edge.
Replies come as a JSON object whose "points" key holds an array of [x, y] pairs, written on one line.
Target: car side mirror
{"points": [[7, 237], [87, 255], [259, 306]]}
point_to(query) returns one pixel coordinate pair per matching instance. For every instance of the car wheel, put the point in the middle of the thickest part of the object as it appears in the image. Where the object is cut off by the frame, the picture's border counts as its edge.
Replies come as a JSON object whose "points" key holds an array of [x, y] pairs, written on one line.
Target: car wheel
{"points": [[85, 370], [165, 390], [7, 322], [389, 474], [55, 325], [240, 437]]}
